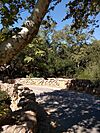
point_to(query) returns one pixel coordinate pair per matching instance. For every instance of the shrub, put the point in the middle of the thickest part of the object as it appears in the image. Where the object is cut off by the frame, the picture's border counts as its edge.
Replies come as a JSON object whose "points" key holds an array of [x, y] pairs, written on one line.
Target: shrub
{"points": [[4, 105]]}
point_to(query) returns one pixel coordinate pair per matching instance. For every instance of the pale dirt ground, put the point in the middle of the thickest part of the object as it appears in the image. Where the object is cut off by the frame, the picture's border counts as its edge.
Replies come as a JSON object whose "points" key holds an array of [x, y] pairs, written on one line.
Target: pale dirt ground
{"points": [[71, 112]]}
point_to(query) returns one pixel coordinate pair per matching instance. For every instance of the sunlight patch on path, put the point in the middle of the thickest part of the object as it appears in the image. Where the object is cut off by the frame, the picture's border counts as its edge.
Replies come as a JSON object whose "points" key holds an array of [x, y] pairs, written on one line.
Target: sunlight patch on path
{"points": [[41, 89]]}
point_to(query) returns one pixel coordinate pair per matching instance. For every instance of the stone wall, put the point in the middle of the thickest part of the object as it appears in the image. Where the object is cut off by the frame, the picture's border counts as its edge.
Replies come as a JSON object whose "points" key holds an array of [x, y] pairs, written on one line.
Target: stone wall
{"points": [[26, 115], [82, 85], [51, 82], [68, 84]]}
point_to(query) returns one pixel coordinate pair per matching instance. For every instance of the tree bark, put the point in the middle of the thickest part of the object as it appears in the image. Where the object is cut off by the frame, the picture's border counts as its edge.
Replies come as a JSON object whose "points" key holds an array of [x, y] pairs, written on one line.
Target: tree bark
{"points": [[10, 47]]}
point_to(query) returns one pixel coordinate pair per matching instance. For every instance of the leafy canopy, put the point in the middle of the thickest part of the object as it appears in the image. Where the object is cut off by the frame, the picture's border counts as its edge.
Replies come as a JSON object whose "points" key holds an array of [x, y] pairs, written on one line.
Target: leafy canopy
{"points": [[80, 10], [10, 10], [83, 12]]}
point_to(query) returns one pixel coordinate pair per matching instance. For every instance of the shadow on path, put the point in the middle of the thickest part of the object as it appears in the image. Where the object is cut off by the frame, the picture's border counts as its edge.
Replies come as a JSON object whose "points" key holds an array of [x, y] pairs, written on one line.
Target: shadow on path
{"points": [[73, 112]]}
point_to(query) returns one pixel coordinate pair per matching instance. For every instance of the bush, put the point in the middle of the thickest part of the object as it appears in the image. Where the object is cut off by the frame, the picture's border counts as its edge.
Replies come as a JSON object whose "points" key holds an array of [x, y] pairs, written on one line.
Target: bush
{"points": [[4, 105]]}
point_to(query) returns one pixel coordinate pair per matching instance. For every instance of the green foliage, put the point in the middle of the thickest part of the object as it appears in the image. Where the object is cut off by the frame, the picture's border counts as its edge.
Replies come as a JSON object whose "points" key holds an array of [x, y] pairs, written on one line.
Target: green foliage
{"points": [[92, 70], [10, 10], [58, 54], [3, 35], [81, 10], [28, 59], [4, 105]]}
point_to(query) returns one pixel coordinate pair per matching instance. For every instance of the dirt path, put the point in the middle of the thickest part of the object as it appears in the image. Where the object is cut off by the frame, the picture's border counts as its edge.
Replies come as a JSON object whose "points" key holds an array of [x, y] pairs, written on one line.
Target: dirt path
{"points": [[41, 89], [71, 112]]}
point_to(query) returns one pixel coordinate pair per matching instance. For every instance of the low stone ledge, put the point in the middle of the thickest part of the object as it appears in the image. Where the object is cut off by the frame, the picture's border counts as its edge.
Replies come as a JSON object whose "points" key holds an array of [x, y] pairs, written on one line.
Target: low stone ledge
{"points": [[83, 85], [27, 114], [69, 84], [52, 82]]}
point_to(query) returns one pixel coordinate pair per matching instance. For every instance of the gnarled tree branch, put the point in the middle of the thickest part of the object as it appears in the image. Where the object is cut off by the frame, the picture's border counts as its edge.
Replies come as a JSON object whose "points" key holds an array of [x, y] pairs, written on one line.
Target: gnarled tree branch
{"points": [[10, 47]]}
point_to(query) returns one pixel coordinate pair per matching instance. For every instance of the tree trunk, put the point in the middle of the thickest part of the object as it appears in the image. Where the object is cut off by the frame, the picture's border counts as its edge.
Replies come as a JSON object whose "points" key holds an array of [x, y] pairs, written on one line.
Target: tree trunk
{"points": [[10, 47]]}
